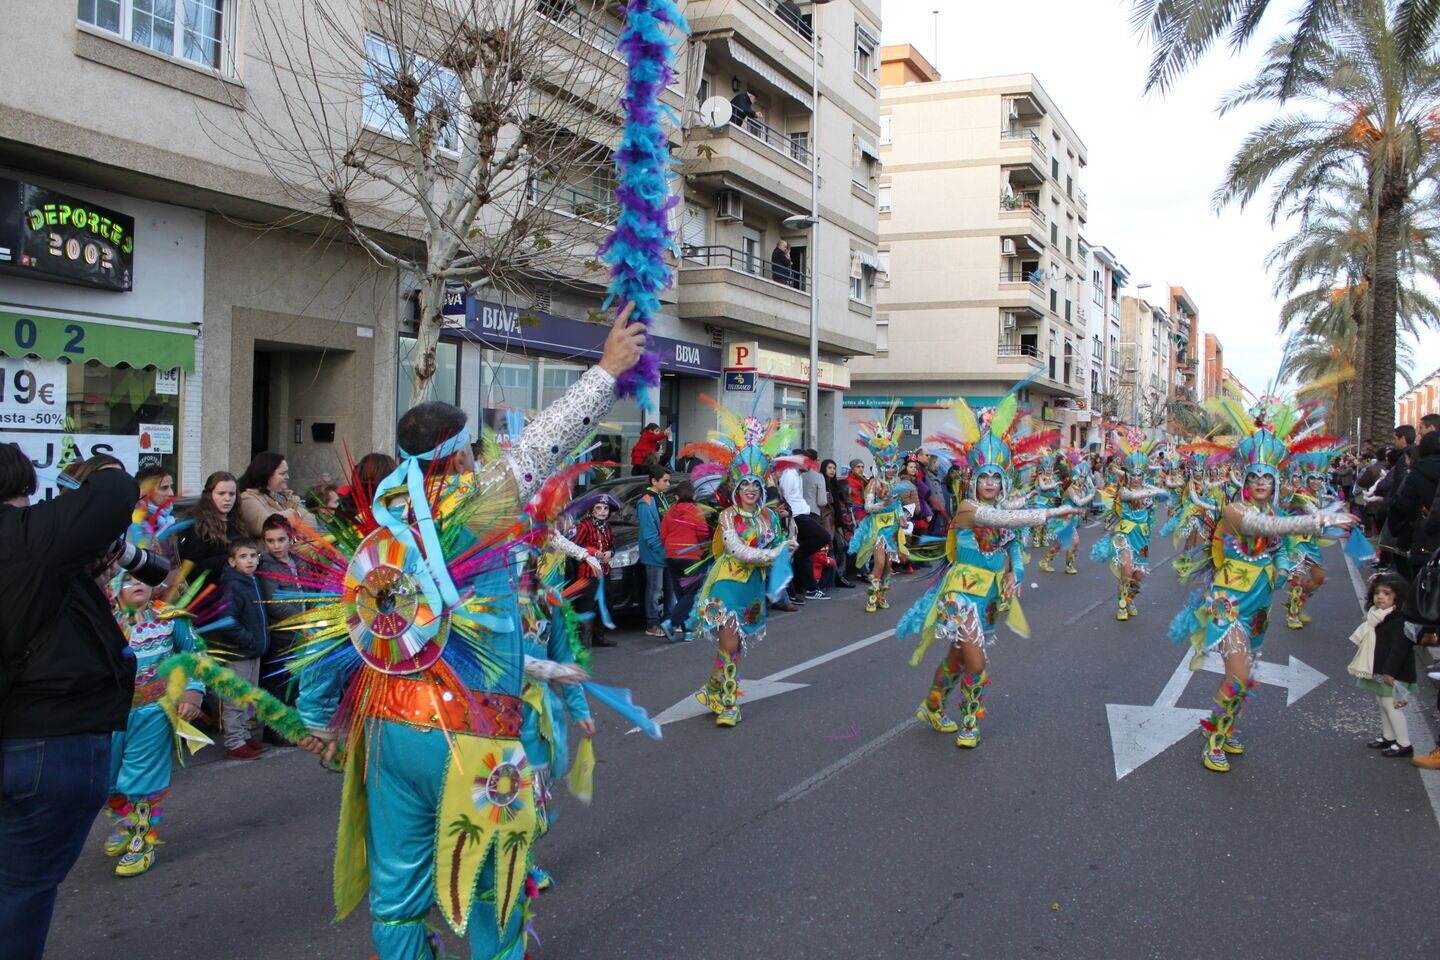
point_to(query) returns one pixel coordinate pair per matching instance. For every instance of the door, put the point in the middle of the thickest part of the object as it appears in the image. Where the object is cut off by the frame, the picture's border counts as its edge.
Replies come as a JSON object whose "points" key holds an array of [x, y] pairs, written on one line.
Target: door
{"points": [[260, 403], [750, 247]]}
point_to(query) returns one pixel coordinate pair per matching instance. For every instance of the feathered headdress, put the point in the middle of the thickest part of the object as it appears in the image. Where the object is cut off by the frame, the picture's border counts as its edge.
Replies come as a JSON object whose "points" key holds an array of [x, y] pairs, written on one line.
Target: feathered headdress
{"points": [[991, 440], [1133, 449], [1311, 455], [882, 440], [1261, 431], [745, 448]]}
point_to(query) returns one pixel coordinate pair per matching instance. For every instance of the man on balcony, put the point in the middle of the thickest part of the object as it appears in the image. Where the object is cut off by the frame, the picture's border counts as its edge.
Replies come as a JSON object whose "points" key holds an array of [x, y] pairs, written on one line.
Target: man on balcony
{"points": [[782, 269], [742, 108]]}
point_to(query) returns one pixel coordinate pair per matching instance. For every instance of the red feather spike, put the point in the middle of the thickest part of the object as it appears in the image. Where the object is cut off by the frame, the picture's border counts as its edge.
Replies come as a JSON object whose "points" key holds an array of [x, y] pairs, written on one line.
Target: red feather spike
{"points": [[1033, 442], [1316, 443], [710, 450]]}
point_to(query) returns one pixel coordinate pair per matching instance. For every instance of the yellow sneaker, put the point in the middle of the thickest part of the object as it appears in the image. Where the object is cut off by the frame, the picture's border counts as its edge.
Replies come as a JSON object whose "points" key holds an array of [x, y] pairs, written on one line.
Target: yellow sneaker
{"points": [[136, 861], [1215, 760], [1046, 567], [728, 718], [1123, 613], [969, 739], [1233, 746], [936, 719], [116, 843]]}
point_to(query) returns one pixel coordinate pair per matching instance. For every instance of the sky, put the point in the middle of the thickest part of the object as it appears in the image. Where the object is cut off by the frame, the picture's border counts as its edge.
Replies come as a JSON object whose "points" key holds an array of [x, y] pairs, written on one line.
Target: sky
{"points": [[1154, 160]]}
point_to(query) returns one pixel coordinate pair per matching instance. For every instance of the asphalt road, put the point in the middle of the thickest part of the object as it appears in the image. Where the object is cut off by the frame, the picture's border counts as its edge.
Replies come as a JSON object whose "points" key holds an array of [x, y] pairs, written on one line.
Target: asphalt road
{"points": [[830, 825]]}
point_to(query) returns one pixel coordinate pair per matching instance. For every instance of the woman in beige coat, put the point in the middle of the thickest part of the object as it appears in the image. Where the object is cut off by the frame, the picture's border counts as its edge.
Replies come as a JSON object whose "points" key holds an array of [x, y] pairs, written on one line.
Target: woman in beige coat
{"points": [[265, 491]]}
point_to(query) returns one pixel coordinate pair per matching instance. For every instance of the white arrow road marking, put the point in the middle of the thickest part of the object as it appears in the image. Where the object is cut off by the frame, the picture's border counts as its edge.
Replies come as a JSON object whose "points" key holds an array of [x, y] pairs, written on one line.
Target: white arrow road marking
{"points": [[1139, 734], [1298, 678], [770, 686]]}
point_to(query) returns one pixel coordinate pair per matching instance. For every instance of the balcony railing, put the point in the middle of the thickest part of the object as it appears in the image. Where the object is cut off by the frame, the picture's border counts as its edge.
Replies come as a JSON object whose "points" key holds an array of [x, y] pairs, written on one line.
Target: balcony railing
{"points": [[754, 264], [796, 21], [1084, 201], [1024, 203], [1080, 313], [781, 143], [1021, 133], [1018, 350], [574, 202], [573, 22], [1036, 278]]}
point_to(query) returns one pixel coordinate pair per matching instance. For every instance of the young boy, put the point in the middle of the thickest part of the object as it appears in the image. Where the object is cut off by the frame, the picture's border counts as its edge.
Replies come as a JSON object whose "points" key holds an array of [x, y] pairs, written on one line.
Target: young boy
{"points": [[281, 572], [241, 645], [140, 755]]}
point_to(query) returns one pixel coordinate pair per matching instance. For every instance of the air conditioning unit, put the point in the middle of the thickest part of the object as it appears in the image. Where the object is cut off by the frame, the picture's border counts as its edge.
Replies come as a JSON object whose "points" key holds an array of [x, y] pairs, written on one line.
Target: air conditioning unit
{"points": [[728, 206], [1007, 248]]}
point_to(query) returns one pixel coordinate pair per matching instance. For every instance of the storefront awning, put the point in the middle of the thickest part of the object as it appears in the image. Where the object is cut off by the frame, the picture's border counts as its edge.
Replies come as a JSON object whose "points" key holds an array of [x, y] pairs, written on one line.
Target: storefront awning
{"points": [[867, 260], [81, 337]]}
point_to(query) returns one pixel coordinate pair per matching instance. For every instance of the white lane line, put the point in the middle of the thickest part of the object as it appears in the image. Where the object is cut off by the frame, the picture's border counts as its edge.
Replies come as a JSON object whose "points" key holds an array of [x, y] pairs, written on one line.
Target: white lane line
{"points": [[1104, 600], [810, 783], [1414, 714], [832, 655]]}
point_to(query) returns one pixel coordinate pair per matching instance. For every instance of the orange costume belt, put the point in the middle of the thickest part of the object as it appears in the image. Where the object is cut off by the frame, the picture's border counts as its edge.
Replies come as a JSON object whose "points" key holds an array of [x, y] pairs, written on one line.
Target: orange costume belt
{"points": [[424, 703], [147, 692]]}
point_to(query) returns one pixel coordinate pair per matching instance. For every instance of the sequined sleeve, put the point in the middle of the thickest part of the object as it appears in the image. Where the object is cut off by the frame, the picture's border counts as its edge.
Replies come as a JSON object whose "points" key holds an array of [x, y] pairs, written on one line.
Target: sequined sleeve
{"points": [[558, 429], [569, 547], [1259, 523], [1141, 493], [741, 550], [873, 503], [1002, 518], [1084, 499]]}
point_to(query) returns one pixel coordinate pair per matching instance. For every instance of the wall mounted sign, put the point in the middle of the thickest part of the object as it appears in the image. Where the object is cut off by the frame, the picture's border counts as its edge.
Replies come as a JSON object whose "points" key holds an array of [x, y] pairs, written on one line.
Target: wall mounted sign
{"points": [[50, 235]]}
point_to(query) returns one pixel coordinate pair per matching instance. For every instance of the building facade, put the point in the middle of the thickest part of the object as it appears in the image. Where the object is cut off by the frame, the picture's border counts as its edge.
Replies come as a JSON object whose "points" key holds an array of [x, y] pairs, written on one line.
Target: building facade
{"points": [[1144, 392], [1100, 298], [1419, 400], [981, 212], [1214, 365], [1185, 349]]}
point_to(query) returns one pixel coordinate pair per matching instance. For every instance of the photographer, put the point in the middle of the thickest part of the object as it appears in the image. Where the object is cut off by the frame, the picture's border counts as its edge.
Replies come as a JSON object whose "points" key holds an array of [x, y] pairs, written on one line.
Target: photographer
{"points": [[66, 681]]}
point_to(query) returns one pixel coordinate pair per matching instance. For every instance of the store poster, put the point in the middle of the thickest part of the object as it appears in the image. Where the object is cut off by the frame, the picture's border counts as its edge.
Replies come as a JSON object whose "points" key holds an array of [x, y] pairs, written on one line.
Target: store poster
{"points": [[51, 452], [32, 393]]}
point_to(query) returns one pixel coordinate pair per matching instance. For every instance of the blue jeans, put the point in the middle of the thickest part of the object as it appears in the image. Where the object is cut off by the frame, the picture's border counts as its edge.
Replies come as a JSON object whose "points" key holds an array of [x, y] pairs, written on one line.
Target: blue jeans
{"points": [[50, 792], [659, 594]]}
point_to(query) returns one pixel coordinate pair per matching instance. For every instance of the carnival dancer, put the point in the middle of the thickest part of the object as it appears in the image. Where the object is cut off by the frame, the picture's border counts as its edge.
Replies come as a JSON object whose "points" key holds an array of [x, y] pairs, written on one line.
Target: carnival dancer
{"points": [[751, 551], [415, 659], [986, 564], [1079, 492], [141, 755], [879, 540], [1303, 562], [1201, 498], [1047, 489], [1132, 512], [1231, 612]]}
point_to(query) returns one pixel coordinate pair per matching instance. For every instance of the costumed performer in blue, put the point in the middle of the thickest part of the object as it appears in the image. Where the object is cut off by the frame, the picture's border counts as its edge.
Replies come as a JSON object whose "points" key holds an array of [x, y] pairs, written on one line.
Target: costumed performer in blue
{"points": [[1304, 563], [1079, 492], [986, 563], [1132, 515], [879, 539], [751, 550], [414, 658], [1230, 613]]}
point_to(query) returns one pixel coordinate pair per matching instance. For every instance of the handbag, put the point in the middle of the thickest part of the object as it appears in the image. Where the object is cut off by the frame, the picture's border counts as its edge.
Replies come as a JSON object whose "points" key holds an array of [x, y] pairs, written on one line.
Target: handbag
{"points": [[1426, 590]]}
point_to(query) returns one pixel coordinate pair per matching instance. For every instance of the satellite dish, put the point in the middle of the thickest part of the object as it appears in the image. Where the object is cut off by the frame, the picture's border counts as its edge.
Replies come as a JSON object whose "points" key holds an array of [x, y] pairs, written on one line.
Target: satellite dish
{"points": [[715, 112]]}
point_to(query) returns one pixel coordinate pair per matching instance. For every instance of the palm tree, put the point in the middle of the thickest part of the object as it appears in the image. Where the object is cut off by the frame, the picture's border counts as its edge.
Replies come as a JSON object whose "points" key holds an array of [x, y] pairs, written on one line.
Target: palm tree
{"points": [[515, 841], [1363, 111], [1182, 31], [467, 830]]}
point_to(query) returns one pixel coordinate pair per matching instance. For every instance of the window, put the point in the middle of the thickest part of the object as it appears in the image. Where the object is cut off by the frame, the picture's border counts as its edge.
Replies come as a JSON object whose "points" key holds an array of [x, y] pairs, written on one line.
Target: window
{"points": [[1068, 243], [857, 288], [750, 246], [445, 385], [192, 30], [882, 198], [790, 406], [884, 257], [1054, 233], [437, 85], [1069, 185], [885, 130], [1054, 299], [865, 44], [1055, 168], [882, 336]]}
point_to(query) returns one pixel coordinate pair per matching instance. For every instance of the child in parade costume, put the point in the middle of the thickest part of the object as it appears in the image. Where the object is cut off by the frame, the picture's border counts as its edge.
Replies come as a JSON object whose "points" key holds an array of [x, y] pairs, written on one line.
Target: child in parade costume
{"points": [[1079, 492], [879, 539], [1303, 563], [751, 551], [590, 546], [415, 658], [141, 755], [1132, 512], [1230, 613], [986, 563]]}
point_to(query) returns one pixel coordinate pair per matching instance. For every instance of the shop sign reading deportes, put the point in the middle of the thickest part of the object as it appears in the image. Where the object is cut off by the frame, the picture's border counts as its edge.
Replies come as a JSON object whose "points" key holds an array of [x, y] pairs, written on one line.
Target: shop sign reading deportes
{"points": [[49, 235]]}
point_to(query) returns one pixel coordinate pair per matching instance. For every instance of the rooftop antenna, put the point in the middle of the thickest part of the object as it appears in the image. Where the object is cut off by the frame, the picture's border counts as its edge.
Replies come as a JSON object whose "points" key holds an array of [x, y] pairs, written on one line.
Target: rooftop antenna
{"points": [[935, 46]]}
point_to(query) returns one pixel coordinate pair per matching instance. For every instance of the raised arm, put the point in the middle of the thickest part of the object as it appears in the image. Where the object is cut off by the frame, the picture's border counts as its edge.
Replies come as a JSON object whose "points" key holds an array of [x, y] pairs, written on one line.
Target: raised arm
{"points": [[972, 514], [1141, 493], [741, 550], [1259, 523]]}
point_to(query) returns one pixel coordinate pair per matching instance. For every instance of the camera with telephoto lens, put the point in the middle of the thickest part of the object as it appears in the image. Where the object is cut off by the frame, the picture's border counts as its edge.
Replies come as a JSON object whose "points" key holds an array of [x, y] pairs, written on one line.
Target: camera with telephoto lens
{"points": [[144, 565]]}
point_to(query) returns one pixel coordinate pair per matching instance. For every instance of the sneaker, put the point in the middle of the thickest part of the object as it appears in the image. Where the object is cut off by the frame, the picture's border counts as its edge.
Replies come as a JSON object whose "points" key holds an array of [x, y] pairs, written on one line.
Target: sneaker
{"points": [[1215, 760], [728, 717], [603, 640], [133, 863], [256, 744], [243, 752], [117, 842], [969, 738], [680, 636], [817, 595], [1395, 750], [654, 630], [936, 719], [1233, 746], [1070, 569], [542, 878], [1431, 760]]}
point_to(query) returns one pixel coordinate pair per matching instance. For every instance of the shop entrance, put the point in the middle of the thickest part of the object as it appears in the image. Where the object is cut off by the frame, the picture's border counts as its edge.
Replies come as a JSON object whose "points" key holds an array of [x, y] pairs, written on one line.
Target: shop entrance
{"points": [[260, 404], [302, 405]]}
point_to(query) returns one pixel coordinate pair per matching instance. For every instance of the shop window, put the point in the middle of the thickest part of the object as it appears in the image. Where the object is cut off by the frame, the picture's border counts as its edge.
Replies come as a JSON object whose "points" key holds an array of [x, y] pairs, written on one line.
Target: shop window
{"points": [[193, 30], [437, 85], [791, 402], [445, 385]]}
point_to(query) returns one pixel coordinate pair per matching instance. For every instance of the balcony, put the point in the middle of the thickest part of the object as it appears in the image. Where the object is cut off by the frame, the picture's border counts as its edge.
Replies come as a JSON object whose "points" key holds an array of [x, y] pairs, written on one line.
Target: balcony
{"points": [[781, 37], [1022, 216], [758, 160], [1023, 145], [1020, 290], [575, 203], [738, 290], [1082, 204], [1026, 353]]}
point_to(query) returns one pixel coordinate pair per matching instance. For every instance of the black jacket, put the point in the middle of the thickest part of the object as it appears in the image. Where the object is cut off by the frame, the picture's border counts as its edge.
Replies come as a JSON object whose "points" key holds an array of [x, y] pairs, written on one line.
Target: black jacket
{"points": [[64, 665], [1410, 500], [249, 636], [205, 555], [275, 579], [1394, 653]]}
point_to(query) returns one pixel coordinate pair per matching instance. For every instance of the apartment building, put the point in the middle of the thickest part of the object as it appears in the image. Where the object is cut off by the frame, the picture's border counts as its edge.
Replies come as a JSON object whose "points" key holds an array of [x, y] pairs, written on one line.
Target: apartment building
{"points": [[199, 312], [1143, 395], [1214, 365], [751, 183], [1419, 400], [1185, 347], [981, 212], [1100, 299]]}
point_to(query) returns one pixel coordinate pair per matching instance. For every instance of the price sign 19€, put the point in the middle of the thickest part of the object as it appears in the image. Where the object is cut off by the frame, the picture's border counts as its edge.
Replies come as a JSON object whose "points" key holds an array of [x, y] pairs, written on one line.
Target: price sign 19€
{"points": [[32, 394]]}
